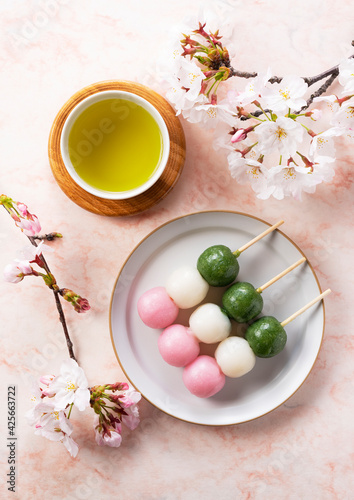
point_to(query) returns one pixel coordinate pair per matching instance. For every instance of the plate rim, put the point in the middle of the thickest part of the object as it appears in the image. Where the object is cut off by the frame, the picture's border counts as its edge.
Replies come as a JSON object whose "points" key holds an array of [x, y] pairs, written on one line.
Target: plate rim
{"points": [[148, 236]]}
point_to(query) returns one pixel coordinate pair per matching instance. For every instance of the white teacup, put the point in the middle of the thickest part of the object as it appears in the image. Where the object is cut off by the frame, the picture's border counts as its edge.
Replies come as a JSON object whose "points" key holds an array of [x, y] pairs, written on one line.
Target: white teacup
{"points": [[130, 98]]}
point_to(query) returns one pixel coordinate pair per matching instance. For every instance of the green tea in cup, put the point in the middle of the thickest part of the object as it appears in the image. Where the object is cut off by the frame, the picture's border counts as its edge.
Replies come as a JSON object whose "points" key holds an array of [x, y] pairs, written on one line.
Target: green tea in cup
{"points": [[115, 144]]}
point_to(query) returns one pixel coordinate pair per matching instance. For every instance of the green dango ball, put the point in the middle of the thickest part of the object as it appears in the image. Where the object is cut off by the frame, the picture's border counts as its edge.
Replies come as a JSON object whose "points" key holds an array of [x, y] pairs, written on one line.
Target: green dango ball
{"points": [[218, 265], [266, 337], [242, 302]]}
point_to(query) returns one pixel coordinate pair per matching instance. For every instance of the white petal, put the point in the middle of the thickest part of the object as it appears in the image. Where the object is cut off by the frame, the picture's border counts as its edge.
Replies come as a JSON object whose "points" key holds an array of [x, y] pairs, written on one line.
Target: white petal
{"points": [[63, 398], [71, 446], [65, 424], [82, 398]]}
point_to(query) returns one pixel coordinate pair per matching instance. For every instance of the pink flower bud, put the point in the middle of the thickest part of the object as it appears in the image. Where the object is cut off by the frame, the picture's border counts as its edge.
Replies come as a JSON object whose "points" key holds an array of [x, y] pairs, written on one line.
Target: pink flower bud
{"points": [[23, 209], [83, 305], [239, 136], [80, 304], [315, 114], [17, 270], [189, 52], [30, 227], [46, 379]]}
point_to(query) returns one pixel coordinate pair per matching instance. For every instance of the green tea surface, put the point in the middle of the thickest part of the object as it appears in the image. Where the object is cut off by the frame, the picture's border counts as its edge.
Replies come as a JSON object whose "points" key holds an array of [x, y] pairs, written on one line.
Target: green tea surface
{"points": [[115, 145]]}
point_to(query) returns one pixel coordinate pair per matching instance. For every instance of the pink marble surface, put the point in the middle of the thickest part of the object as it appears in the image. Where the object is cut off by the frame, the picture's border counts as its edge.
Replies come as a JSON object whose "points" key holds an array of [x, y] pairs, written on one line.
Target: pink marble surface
{"points": [[302, 450]]}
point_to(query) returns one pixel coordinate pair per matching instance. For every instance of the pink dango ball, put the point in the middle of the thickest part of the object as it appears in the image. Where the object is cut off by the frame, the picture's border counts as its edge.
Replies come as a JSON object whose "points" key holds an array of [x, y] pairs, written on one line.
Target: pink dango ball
{"points": [[156, 308], [178, 346], [203, 377]]}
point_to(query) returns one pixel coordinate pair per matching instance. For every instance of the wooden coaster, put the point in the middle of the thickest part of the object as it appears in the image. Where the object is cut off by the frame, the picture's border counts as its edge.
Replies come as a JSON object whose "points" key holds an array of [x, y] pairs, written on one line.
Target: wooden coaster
{"points": [[138, 203]]}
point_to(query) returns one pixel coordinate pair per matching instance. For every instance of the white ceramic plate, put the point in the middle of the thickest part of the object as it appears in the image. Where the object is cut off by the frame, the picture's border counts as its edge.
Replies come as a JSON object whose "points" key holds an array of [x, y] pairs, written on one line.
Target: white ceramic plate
{"points": [[180, 242]]}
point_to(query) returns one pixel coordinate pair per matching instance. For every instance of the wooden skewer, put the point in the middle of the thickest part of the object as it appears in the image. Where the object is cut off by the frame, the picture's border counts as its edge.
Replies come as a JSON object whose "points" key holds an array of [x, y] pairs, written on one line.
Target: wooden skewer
{"points": [[303, 309], [280, 275], [257, 238]]}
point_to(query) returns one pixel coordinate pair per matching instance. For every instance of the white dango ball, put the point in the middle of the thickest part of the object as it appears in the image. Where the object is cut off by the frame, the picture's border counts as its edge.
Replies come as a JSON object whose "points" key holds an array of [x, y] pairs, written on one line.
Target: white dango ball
{"points": [[186, 287], [209, 324], [235, 357]]}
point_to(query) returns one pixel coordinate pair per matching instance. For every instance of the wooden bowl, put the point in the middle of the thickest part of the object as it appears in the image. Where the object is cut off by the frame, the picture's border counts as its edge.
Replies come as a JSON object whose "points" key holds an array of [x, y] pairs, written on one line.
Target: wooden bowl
{"points": [[137, 204]]}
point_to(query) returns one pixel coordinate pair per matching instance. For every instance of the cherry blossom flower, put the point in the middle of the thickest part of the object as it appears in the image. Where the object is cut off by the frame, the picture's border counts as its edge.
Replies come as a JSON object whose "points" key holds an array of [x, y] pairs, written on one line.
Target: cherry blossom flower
{"points": [[36, 398], [344, 116], [17, 270], [178, 97], [254, 87], [279, 97], [294, 179], [191, 78], [70, 387], [129, 401], [131, 420], [291, 180], [322, 144], [32, 252], [131, 397], [55, 426], [247, 170], [346, 76], [315, 114], [186, 85], [283, 134], [330, 100], [29, 224], [107, 435], [209, 115]]}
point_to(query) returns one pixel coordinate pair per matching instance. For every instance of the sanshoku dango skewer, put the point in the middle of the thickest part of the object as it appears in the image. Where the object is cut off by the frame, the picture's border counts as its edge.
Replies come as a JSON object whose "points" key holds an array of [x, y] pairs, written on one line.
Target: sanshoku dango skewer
{"points": [[218, 264], [187, 287], [267, 336], [236, 356], [243, 302]]}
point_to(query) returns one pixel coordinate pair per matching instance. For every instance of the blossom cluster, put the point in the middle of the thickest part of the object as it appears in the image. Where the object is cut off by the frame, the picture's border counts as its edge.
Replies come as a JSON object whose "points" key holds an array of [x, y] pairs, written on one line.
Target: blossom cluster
{"points": [[53, 404], [114, 404], [32, 255], [27, 222], [267, 126], [55, 398]]}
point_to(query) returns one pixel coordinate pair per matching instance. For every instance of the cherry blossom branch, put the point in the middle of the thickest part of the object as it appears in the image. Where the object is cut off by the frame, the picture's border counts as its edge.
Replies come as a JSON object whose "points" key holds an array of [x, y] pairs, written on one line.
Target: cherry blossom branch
{"points": [[30, 226], [63, 322], [217, 68], [332, 73], [54, 403], [310, 80], [320, 90], [56, 292]]}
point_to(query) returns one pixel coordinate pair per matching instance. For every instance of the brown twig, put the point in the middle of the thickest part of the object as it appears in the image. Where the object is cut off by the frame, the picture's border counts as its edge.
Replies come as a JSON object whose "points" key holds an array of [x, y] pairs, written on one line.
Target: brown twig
{"points": [[58, 304], [321, 90], [332, 73], [245, 74]]}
